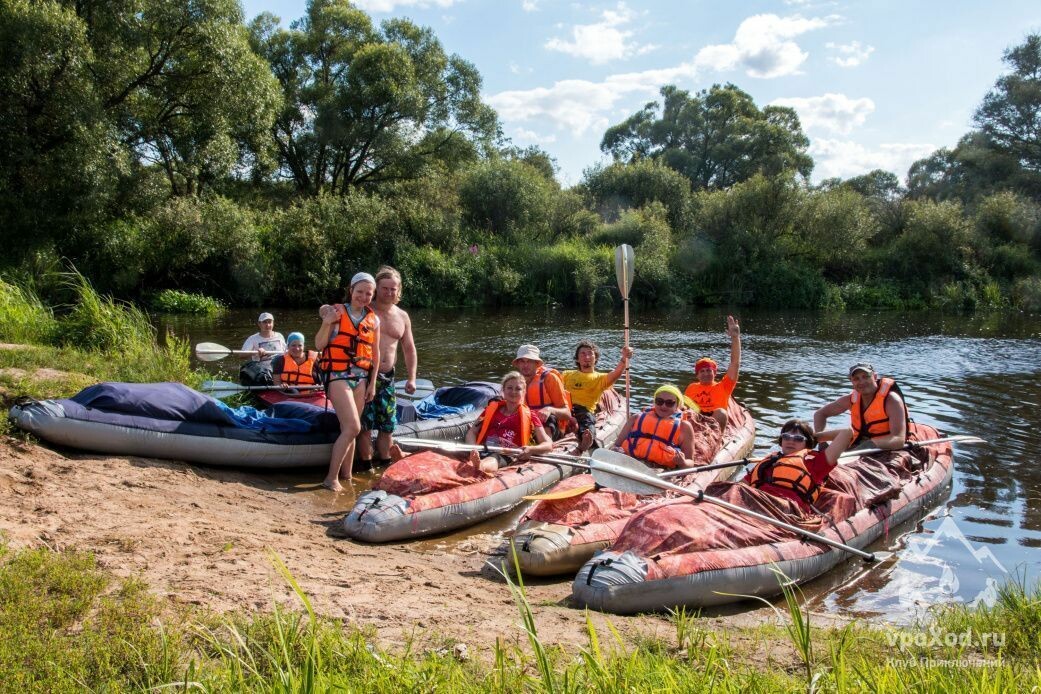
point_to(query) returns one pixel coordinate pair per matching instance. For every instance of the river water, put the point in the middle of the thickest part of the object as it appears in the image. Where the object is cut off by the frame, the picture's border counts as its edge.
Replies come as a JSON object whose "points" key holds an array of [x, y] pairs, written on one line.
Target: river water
{"points": [[963, 374]]}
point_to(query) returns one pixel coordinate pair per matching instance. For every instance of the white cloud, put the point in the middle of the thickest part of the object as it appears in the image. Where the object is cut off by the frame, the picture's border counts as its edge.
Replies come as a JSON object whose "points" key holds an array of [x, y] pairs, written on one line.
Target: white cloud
{"points": [[525, 135], [809, 4], [762, 46], [834, 112], [576, 105], [581, 105], [602, 41], [391, 5], [849, 54], [529, 5], [844, 158]]}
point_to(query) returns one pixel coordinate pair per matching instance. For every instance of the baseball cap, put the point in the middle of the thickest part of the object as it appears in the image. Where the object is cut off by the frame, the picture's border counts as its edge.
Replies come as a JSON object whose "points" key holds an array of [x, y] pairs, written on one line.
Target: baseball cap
{"points": [[861, 366], [265, 316]]}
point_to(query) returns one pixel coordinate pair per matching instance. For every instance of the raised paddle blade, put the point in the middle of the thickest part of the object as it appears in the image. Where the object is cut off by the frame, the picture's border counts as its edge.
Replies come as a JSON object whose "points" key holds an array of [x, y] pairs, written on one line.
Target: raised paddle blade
{"points": [[624, 267], [604, 459], [562, 494], [211, 351]]}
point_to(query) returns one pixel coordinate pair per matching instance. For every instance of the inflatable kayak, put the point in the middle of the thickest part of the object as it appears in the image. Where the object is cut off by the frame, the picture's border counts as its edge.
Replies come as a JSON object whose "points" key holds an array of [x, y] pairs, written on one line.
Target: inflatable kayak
{"points": [[558, 536], [680, 553], [427, 492], [172, 421]]}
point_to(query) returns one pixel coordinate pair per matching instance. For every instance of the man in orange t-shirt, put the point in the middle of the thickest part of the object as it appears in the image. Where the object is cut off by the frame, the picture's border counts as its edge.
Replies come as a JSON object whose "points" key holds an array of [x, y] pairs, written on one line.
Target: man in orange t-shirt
{"points": [[711, 395]]}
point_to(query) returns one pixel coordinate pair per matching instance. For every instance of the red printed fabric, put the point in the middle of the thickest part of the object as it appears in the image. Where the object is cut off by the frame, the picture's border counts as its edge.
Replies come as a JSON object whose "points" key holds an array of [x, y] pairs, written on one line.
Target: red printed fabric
{"points": [[682, 537], [707, 437], [429, 479], [601, 506], [427, 472]]}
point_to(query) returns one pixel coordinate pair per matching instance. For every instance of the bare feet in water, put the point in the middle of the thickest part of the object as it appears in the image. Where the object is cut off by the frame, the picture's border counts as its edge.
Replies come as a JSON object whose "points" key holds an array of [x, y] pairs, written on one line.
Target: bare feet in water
{"points": [[334, 485]]}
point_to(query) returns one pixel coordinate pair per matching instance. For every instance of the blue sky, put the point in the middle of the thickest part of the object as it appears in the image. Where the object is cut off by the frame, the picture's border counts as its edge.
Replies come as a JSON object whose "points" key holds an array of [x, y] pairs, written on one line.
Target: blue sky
{"points": [[877, 84]]}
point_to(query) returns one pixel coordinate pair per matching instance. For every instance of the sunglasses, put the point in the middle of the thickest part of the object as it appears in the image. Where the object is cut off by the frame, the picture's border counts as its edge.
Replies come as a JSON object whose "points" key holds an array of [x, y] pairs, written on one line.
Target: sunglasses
{"points": [[664, 403], [792, 437]]}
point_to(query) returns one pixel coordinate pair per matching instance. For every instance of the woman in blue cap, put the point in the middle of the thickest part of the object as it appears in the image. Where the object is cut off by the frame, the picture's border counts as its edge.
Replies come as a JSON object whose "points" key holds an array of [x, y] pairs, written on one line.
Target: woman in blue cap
{"points": [[298, 366]]}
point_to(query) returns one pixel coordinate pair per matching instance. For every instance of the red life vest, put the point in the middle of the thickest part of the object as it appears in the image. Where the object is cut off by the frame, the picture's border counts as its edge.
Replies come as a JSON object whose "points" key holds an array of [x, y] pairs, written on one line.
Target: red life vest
{"points": [[787, 472], [653, 439], [351, 346], [523, 412], [871, 421], [294, 374]]}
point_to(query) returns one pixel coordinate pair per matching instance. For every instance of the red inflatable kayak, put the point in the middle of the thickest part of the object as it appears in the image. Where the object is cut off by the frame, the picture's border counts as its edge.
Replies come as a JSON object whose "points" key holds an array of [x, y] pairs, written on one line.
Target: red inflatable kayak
{"points": [[427, 492], [559, 536], [681, 553]]}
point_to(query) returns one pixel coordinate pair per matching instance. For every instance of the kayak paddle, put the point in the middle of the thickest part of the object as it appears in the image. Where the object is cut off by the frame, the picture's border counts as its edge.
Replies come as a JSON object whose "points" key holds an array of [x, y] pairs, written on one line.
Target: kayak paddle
{"points": [[619, 471], [424, 388], [624, 267], [211, 351], [222, 389]]}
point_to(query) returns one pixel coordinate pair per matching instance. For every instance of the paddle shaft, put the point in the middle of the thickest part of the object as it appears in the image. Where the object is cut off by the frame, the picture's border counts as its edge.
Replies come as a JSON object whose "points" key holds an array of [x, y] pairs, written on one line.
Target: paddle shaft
{"points": [[455, 447], [848, 454], [959, 438], [703, 468], [234, 387], [236, 352]]}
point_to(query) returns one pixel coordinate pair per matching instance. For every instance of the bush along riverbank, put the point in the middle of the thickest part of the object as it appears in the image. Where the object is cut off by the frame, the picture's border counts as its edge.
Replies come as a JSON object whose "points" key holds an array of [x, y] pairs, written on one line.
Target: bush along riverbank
{"points": [[84, 337], [66, 624], [241, 199]]}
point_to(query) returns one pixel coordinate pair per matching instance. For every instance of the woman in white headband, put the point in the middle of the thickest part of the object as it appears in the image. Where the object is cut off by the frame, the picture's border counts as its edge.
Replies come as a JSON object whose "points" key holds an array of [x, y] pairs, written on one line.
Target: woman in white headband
{"points": [[349, 340]]}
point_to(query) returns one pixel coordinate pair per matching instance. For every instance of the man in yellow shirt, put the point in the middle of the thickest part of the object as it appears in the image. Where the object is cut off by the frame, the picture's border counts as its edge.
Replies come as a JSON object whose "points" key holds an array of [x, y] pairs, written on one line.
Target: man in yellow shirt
{"points": [[709, 394], [586, 385]]}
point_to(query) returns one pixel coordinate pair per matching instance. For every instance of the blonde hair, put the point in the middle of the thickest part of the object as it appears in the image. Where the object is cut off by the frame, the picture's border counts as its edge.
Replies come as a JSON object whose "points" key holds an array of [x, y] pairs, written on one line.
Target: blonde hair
{"points": [[512, 376], [387, 272]]}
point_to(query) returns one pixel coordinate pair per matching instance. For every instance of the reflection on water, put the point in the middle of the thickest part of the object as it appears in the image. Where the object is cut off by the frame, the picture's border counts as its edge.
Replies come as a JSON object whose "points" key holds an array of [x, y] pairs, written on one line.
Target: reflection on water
{"points": [[976, 375]]}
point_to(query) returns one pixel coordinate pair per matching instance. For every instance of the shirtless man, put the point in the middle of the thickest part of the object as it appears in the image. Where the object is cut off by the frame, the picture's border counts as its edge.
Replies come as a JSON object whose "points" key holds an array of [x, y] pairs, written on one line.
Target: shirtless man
{"points": [[380, 414]]}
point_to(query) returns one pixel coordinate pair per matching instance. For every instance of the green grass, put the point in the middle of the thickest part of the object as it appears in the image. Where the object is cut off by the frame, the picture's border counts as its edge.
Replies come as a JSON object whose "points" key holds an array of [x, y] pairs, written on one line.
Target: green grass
{"points": [[66, 625], [23, 317], [176, 301], [95, 338]]}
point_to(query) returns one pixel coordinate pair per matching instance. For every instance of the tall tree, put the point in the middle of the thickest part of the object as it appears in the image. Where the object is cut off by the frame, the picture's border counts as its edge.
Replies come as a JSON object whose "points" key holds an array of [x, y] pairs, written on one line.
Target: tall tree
{"points": [[181, 84], [716, 138], [56, 166], [363, 105], [1010, 115]]}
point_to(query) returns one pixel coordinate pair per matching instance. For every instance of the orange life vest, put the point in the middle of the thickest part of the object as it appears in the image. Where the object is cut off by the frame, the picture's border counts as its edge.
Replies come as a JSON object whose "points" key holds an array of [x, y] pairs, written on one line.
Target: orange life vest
{"points": [[525, 422], [351, 346], [537, 395], [787, 472], [294, 374], [653, 439], [871, 421]]}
